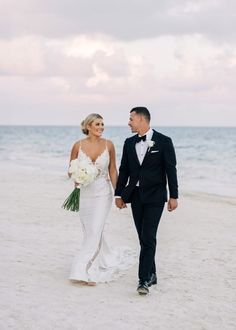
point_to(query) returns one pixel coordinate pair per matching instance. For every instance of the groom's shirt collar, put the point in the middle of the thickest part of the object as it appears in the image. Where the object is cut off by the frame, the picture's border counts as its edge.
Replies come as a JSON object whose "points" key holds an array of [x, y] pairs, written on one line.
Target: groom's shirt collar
{"points": [[148, 134]]}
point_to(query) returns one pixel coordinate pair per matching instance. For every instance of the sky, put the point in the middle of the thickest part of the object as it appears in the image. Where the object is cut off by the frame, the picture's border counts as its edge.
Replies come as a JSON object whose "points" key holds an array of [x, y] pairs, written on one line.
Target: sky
{"points": [[61, 60]]}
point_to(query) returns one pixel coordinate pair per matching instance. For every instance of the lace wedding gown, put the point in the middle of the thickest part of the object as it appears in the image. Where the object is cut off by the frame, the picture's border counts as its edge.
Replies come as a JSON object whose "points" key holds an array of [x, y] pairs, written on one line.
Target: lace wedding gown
{"points": [[96, 261]]}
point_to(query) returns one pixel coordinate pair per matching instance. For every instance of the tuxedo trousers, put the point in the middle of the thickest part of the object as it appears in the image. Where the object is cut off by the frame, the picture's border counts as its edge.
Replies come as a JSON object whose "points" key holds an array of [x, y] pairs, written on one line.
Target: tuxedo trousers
{"points": [[146, 218]]}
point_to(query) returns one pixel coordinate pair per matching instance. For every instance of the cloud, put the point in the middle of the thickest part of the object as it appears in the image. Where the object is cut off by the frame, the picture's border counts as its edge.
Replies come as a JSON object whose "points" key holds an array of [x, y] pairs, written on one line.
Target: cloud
{"points": [[164, 72], [120, 19], [21, 56], [62, 59]]}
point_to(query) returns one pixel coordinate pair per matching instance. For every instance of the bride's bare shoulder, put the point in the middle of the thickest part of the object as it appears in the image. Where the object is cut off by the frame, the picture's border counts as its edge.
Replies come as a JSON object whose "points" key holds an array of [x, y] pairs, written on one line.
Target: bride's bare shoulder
{"points": [[78, 143], [110, 145], [75, 149]]}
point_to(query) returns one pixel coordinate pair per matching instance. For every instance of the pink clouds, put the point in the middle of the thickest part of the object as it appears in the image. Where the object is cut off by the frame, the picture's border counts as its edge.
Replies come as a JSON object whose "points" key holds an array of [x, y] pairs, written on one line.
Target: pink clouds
{"points": [[56, 62]]}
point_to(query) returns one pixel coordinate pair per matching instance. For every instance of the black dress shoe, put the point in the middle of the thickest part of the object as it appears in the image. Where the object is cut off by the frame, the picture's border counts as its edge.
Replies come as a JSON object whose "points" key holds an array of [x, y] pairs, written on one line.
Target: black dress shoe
{"points": [[143, 288], [153, 280]]}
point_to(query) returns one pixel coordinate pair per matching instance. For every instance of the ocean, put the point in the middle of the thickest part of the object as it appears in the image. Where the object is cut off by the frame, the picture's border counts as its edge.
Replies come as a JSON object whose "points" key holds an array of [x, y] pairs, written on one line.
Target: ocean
{"points": [[206, 156]]}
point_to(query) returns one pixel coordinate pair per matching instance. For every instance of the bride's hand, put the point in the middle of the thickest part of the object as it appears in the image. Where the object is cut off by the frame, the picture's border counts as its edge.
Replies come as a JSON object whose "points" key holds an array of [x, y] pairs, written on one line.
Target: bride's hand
{"points": [[120, 203]]}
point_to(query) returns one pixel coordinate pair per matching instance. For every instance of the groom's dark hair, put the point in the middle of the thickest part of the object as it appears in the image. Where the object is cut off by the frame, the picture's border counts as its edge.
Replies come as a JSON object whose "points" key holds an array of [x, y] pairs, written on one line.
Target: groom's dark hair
{"points": [[142, 111]]}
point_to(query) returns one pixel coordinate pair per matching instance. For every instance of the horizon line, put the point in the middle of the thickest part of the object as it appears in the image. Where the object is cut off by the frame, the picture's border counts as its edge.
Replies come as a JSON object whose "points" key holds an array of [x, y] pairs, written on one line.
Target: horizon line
{"points": [[119, 125]]}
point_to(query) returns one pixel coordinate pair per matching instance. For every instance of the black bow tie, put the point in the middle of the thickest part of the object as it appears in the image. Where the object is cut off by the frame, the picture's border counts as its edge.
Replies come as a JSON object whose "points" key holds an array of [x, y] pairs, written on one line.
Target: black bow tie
{"points": [[139, 138]]}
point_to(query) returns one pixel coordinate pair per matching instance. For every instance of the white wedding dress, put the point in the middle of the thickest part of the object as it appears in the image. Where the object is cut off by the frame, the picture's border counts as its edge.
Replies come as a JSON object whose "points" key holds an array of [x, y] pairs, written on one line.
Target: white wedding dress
{"points": [[96, 261]]}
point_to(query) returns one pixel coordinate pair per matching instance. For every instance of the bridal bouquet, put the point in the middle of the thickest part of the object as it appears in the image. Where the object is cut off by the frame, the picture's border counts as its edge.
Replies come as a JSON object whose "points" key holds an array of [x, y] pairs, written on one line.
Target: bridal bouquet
{"points": [[83, 174]]}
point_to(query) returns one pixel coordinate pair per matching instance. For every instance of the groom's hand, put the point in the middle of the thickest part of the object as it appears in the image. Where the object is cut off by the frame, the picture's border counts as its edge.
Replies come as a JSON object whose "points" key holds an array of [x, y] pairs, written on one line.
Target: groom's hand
{"points": [[120, 203], [172, 204]]}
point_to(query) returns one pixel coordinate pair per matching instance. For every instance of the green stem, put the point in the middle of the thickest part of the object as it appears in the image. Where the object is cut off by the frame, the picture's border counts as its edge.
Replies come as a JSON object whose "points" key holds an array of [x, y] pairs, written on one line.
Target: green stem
{"points": [[72, 201]]}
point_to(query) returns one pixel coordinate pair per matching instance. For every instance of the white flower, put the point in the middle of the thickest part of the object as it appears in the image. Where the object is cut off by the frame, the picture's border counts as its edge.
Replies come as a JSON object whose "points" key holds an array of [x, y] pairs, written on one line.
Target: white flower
{"points": [[150, 143], [73, 166], [82, 172]]}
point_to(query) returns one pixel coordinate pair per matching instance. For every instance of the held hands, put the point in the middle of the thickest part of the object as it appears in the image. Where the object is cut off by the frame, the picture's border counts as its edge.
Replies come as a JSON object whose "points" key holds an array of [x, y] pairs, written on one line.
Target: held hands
{"points": [[172, 204], [120, 203]]}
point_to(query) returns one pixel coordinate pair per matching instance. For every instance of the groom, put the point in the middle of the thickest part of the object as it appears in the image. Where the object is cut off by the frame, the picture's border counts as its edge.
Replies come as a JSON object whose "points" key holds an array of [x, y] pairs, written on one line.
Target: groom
{"points": [[148, 162]]}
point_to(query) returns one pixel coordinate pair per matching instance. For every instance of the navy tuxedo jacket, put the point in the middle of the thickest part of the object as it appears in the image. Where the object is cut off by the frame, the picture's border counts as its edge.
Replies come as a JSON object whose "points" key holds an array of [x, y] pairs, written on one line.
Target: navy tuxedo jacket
{"points": [[157, 169]]}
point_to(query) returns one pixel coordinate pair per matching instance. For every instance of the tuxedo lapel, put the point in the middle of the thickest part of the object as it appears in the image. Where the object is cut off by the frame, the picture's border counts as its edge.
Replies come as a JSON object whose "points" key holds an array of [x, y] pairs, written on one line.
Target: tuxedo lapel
{"points": [[153, 138], [133, 150]]}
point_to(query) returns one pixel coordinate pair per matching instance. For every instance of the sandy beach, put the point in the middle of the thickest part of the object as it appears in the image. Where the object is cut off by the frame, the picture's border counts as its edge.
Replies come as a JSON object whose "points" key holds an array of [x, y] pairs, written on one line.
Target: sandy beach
{"points": [[195, 256]]}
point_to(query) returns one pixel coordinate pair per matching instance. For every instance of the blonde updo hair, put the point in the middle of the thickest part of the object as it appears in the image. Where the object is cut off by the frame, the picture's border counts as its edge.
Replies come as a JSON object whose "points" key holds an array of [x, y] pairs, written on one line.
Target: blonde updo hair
{"points": [[88, 121]]}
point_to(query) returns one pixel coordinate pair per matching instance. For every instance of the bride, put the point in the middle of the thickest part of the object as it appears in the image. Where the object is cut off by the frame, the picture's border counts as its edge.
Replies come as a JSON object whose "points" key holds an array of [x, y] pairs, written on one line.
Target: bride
{"points": [[95, 261]]}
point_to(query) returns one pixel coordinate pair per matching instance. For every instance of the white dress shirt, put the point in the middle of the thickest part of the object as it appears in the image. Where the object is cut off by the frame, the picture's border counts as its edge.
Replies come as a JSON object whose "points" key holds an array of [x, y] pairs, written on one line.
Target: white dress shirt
{"points": [[142, 146]]}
